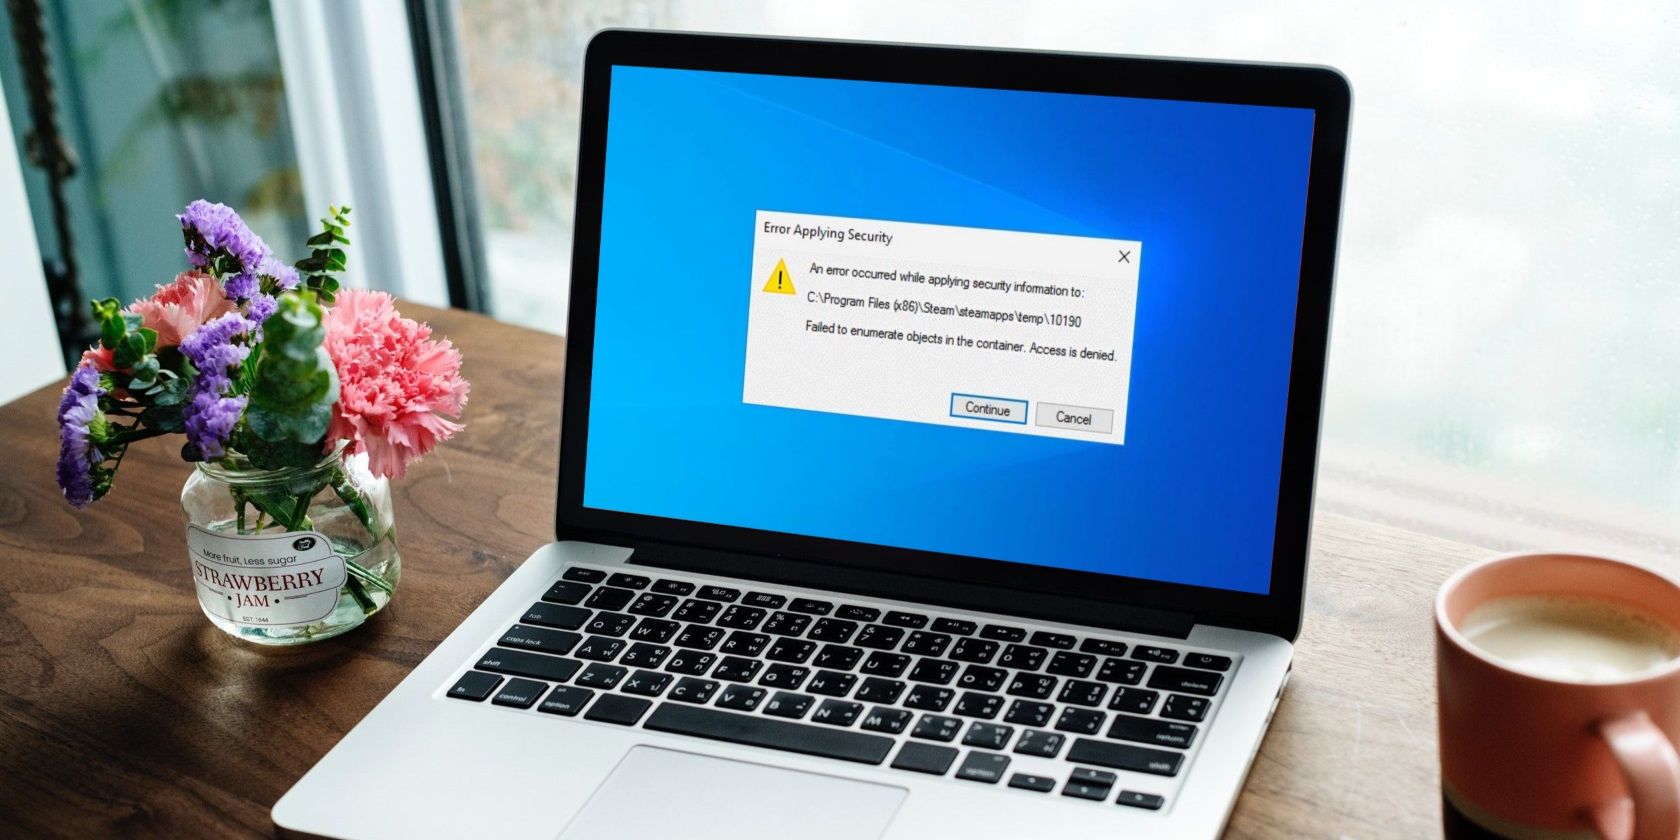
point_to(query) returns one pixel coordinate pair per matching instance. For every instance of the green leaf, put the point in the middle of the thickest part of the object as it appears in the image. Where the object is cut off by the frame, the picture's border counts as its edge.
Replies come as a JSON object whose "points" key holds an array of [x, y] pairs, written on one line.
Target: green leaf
{"points": [[294, 385], [164, 418]]}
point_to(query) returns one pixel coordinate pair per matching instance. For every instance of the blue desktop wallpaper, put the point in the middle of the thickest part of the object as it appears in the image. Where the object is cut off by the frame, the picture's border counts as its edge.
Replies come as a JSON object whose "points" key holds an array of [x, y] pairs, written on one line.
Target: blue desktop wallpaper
{"points": [[1216, 193]]}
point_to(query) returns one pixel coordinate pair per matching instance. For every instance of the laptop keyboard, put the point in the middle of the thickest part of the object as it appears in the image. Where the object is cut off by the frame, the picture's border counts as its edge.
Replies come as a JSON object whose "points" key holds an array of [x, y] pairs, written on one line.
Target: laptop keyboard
{"points": [[1099, 718]]}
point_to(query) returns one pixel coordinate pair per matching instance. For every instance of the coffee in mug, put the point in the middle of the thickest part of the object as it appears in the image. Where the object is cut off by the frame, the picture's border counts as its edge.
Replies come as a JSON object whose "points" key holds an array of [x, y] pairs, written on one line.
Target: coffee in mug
{"points": [[1574, 639]]}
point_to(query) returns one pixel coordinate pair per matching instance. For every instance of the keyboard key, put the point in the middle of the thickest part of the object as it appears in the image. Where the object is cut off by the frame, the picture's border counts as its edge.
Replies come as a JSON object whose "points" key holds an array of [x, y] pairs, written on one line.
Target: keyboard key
{"points": [[673, 587], [1093, 777], [1161, 733], [554, 615], [880, 690], [654, 604], [807, 739], [742, 643], [1147, 801], [1083, 693], [1088, 784], [1028, 713], [1125, 757], [1066, 664], [954, 626], [566, 592], [836, 630], [983, 767], [718, 593], [1155, 654], [929, 698], [937, 671], [1082, 721], [647, 683], [837, 713], [852, 612], [1040, 743], [1120, 671], [1184, 707], [784, 676], [787, 704], [937, 728], [656, 630], [522, 664], [811, 606], [974, 650], [1045, 638], [699, 638], [879, 637], [741, 698], [691, 662], [737, 669], [924, 758], [629, 581], [1103, 647], [559, 642], [1022, 657], [565, 700], [764, 599], [1186, 680], [977, 705], [475, 686], [831, 683], [741, 618], [578, 573], [697, 612], [1137, 701], [1207, 661], [898, 618], [992, 736], [982, 678], [599, 648], [616, 708], [925, 643], [601, 676], [885, 664], [610, 624], [1003, 633], [838, 657], [693, 690], [883, 719], [644, 655], [1036, 686], [791, 650], [786, 624], [609, 598], [1037, 784]]}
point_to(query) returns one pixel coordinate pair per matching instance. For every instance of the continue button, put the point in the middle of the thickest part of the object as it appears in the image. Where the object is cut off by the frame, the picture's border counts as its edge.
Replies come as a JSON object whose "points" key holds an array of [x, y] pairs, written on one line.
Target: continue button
{"points": [[1095, 420], [995, 409]]}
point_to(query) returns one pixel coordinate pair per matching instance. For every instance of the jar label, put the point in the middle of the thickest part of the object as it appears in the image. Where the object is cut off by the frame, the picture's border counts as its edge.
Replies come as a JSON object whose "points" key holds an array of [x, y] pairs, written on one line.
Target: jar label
{"points": [[265, 580]]}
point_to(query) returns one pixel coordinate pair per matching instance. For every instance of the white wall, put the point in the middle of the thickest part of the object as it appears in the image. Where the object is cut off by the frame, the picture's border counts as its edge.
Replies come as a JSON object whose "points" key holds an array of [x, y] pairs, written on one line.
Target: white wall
{"points": [[28, 339]]}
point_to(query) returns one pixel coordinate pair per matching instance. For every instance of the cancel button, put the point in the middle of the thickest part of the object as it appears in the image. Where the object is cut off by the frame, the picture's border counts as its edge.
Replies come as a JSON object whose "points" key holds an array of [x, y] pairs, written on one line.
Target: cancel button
{"points": [[1079, 418]]}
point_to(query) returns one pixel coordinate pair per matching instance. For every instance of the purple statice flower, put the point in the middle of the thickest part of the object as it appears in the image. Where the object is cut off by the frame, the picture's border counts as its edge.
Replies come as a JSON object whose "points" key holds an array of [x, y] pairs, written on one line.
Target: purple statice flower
{"points": [[209, 414], [260, 309], [213, 230], [241, 287], [77, 456], [285, 277]]}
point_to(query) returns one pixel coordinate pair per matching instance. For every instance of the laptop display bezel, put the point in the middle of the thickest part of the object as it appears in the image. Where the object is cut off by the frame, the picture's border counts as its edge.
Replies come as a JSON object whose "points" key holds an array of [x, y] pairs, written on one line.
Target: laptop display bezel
{"points": [[1321, 89]]}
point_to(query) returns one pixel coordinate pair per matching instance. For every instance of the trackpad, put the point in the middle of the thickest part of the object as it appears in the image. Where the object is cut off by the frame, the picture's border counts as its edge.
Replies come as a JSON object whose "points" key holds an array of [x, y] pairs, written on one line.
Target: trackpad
{"points": [[665, 793]]}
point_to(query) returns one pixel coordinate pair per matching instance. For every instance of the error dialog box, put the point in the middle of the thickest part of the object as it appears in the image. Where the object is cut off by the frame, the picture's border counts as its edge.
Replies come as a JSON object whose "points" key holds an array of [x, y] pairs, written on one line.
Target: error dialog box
{"points": [[1009, 331]]}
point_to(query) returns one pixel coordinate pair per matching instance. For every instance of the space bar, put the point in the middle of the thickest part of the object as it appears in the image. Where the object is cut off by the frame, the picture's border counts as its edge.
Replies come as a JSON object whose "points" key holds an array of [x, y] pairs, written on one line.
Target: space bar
{"points": [[764, 732]]}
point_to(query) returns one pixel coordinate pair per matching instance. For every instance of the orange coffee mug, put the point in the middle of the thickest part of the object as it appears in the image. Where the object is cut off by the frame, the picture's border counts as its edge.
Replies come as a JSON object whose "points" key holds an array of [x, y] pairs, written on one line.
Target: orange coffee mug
{"points": [[1528, 756]]}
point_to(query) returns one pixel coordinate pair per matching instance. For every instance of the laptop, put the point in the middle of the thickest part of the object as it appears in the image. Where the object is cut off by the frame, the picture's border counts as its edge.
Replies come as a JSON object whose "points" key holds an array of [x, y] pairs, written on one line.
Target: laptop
{"points": [[936, 460]]}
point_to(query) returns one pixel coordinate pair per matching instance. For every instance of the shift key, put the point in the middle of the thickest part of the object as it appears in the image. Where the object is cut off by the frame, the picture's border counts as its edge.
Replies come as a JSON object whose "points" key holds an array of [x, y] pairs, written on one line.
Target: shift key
{"points": [[522, 664], [1125, 757]]}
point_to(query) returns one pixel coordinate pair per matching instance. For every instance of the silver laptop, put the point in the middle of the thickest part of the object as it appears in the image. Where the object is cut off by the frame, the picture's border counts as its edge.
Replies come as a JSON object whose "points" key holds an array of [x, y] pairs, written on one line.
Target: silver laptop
{"points": [[936, 461]]}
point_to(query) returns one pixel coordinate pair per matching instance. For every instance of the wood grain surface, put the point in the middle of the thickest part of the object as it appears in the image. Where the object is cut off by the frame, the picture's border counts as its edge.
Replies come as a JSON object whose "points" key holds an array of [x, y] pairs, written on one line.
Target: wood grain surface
{"points": [[124, 712]]}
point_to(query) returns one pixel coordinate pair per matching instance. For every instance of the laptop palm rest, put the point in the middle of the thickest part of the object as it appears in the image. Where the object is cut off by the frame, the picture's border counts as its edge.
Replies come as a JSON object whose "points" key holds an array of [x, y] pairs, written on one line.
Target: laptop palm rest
{"points": [[657, 792]]}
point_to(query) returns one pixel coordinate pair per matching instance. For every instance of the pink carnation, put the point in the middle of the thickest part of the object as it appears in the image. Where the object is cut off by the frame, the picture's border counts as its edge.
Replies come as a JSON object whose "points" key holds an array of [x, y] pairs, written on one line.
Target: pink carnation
{"points": [[398, 388], [175, 311]]}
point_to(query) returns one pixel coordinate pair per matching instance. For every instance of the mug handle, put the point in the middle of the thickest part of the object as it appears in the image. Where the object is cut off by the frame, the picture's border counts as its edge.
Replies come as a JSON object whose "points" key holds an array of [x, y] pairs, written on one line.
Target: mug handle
{"points": [[1648, 760]]}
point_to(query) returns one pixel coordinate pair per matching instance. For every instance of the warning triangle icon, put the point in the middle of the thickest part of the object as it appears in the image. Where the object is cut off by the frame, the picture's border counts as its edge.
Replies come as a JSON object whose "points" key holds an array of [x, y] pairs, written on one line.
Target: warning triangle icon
{"points": [[780, 282]]}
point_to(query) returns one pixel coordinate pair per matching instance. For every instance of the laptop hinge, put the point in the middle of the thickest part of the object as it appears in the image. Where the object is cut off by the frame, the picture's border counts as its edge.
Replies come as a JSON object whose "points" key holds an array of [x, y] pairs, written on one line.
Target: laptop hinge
{"points": [[904, 587]]}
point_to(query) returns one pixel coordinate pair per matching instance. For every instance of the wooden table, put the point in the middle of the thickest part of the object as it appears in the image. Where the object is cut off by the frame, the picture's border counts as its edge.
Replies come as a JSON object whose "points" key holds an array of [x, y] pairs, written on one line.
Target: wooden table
{"points": [[124, 712]]}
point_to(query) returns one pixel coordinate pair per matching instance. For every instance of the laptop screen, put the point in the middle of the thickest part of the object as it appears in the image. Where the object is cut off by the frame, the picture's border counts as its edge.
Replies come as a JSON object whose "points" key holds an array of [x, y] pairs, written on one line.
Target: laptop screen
{"points": [[1043, 328]]}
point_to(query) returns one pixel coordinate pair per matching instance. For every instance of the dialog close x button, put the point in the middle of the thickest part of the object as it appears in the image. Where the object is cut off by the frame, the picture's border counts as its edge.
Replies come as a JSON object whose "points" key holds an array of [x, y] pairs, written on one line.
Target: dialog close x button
{"points": [[995, 409], [1056, 416]]}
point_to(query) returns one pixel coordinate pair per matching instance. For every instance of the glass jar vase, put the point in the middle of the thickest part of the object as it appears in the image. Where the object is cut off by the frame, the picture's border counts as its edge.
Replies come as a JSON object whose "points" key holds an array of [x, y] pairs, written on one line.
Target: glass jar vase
{"points": [[294, 555]]}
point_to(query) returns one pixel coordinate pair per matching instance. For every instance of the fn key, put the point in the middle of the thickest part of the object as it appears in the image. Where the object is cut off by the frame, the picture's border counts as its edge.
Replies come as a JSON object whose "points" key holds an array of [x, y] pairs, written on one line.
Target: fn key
{"points": [[474, 685]]}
